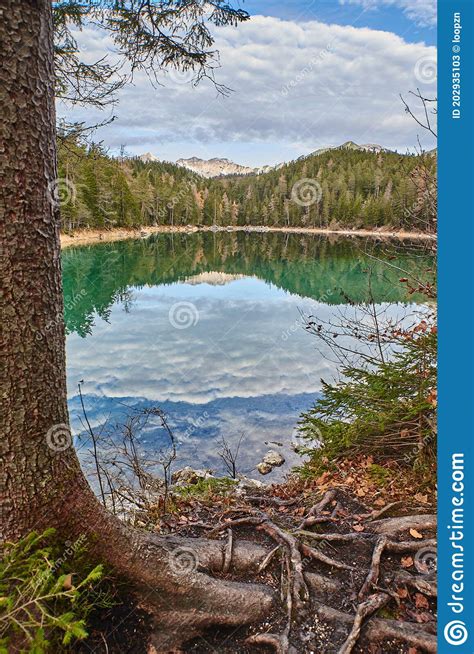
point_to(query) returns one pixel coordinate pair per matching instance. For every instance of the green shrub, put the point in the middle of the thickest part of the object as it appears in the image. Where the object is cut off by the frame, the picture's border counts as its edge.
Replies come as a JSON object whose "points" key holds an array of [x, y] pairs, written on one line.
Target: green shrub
{"points": [[387, 410], [47, 590], [206, 488]]}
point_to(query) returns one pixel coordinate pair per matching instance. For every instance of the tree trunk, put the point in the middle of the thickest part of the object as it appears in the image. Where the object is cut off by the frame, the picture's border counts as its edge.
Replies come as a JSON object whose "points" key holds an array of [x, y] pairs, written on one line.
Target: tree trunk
{"points": [[41, 481]]}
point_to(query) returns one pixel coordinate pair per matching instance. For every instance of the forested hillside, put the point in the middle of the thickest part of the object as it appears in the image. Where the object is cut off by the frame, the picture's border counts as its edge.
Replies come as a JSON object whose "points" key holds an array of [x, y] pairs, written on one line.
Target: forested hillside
{"points": [[337, 188]]}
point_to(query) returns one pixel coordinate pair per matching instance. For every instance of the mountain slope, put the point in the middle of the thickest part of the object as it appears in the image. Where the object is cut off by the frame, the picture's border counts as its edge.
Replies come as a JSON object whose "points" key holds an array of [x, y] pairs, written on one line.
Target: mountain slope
{"points": [[350, 145]]}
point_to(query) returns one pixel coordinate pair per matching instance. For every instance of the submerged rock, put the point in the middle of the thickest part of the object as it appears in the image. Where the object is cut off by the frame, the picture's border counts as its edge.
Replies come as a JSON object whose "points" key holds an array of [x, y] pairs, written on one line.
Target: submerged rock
{"points": [[273, 458]]}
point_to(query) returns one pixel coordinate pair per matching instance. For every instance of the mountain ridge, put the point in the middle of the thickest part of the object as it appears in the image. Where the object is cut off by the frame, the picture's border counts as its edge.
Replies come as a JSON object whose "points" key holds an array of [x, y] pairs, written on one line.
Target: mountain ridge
{"points": [[224, 167], [215, 167]]}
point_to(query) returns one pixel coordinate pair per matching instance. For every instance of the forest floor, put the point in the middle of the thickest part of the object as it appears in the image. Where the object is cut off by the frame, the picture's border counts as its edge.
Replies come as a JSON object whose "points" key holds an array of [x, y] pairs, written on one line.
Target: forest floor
{"points": [[90, 236], [358, 540]]}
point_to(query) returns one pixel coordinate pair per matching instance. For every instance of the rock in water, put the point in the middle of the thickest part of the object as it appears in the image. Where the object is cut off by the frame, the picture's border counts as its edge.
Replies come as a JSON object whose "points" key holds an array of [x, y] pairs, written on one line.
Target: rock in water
{"points": [[264, 468], [273, 458]]}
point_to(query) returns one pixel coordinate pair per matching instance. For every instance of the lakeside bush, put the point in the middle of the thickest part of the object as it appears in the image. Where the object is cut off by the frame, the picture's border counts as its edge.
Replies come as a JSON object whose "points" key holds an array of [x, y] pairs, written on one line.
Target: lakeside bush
{"points": [[386, 410]]}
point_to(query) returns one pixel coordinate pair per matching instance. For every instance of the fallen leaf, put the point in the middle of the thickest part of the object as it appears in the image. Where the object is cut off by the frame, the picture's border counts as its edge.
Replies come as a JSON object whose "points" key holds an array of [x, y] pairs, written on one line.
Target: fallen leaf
{"points": [[323, 477], [422, 567], [402, 593], [358, 527], [419, 497], [379, 502], [421, 601], [406, 562], [415, 534], [413, 650], [67, 583]]}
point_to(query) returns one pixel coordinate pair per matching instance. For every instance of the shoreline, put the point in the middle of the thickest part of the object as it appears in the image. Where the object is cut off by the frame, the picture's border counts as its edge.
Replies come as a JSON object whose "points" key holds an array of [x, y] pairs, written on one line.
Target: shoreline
{"points": [[90, 236]]}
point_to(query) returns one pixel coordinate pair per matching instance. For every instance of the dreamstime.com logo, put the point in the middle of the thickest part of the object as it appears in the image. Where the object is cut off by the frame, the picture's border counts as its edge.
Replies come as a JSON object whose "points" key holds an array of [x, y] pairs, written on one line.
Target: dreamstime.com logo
{"points": [[455, 632], [59, 437], [306, 192], [299, 442], [183, 560], [425, 69], [426, 560], [180, 76], [61, 191], [183, 315]]}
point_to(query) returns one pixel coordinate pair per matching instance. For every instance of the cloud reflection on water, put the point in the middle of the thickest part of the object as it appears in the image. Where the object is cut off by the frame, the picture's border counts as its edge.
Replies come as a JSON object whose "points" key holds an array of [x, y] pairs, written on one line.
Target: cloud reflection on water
{"points": [[247, 364]]}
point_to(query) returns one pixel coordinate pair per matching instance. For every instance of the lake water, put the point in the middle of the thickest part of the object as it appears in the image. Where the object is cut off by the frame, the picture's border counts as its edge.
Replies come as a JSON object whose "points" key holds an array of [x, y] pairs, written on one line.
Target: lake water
{"points": [[208, 328]]}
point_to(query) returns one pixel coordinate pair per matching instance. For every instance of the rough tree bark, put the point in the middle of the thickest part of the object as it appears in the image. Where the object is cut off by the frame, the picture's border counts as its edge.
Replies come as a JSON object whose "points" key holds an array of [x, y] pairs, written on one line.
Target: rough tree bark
{"points": [[41, 481]]}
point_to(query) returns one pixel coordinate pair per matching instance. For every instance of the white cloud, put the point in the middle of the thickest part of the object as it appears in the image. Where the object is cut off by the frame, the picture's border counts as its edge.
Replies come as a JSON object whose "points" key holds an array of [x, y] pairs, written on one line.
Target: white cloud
{"points": [[422, 12], [296, 87]]}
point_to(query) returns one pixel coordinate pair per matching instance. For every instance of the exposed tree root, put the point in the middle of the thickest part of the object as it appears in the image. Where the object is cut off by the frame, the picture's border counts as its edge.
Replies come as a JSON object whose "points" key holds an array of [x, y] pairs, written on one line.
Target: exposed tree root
{"points": [[236, 522], [411, 545], [377, 630], [337, 538], [319, 556], [269, 501], [421, 584], [321, 585], [313, 516], [392, 526], [374, 515], [190, 600], [279, 642], [266, 561], [365, 609], [203, 602], [299, 590], [374, 571], [380, 534]]}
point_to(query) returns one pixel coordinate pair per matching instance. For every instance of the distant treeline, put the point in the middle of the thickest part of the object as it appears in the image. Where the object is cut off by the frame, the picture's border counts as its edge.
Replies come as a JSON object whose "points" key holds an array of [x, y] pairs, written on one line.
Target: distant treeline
{"points": [[338, 188]]}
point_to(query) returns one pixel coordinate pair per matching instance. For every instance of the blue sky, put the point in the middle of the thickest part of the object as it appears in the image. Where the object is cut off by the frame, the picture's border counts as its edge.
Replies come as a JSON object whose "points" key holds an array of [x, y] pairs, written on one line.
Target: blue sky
{"points": [[304, 74], [387, 16]]}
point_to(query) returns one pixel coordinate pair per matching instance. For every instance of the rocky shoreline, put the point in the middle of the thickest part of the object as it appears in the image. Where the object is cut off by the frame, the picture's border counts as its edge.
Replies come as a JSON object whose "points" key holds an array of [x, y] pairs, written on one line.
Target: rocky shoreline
{"points": [[90, 236]]}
